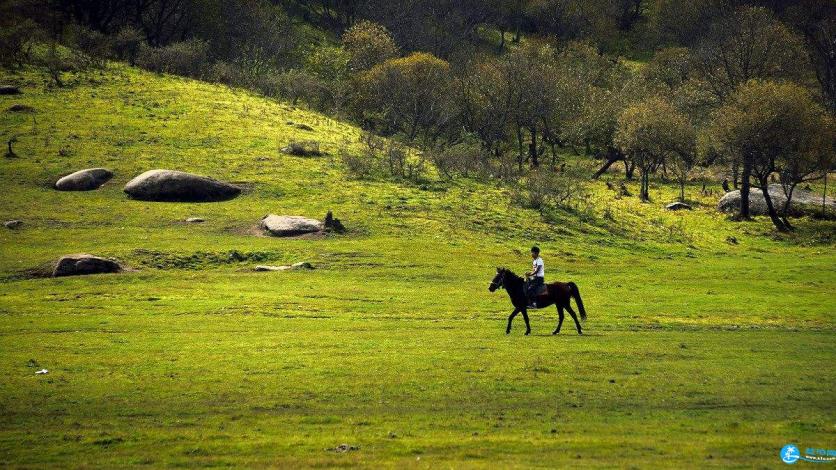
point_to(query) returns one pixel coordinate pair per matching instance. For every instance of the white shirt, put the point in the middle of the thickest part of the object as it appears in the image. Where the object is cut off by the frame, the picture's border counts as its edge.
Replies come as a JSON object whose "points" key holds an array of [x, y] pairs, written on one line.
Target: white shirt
{"points": [[538, 268]]}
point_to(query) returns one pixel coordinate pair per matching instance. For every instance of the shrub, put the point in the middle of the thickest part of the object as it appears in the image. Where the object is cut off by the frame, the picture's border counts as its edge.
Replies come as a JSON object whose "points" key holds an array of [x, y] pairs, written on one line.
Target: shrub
{"points": [[303, 148], [544, 188], [16, 41], [188, 58], [91, 48], [459, 159], [298, 84], [368, 44], [126, 44], [358, 165]]}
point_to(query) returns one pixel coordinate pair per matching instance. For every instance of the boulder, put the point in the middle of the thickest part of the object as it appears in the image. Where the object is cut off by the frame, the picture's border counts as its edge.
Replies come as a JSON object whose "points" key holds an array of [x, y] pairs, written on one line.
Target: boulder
{"points": [[178, 186], [289, 225], [84, 180], [293, 267], [13, 224], [678, 206], [195, 220], [9, 90], [802, 201], [21, 108], [80, 264]]}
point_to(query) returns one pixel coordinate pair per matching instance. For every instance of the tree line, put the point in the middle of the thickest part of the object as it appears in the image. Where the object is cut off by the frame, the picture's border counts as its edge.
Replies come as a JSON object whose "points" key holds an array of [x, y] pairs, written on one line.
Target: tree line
{"points": [[505, 87]]}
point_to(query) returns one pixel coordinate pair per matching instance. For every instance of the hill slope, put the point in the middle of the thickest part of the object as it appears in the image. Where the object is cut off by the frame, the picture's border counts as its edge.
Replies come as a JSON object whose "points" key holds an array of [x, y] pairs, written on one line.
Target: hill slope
{"points": [[393, 344]]}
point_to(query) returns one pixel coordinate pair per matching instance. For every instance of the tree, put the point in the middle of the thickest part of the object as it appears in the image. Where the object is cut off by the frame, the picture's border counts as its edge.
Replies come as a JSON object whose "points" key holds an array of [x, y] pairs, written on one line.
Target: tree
{"points": [[817, 21], [773, 127], [750, 43], [368, 44], [410, 95], [653, 131]]}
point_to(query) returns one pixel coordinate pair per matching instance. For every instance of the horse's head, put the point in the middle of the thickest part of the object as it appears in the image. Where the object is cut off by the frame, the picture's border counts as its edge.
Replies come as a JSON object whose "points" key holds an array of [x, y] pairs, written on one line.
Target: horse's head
{"points": [[498, 279]]}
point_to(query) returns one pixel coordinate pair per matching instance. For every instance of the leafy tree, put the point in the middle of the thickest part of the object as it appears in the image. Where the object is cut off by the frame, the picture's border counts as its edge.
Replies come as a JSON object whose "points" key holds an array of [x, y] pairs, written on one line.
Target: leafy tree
{"points": [[773, 127], [410, 95], [368, 44], [817, 20], [653, 131], [751, 43]]}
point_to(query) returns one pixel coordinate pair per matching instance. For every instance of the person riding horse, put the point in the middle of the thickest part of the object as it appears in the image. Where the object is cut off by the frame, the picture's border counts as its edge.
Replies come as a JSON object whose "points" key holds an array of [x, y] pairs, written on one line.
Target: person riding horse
{"points": [[536, 277]]}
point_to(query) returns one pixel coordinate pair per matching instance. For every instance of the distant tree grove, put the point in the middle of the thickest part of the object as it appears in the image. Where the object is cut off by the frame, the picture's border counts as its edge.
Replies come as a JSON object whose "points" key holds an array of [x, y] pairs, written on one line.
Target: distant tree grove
{"points": [[499, 88]]}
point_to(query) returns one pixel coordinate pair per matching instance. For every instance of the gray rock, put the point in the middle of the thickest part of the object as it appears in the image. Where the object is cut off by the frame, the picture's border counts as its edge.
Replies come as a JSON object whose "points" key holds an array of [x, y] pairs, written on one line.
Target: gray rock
{"points": [[9, 90], [178, 186], [13, 224], [802, 201], [289, 225], [195, 220], [81, 264], [84, 180], [678, 206], [293, 267]]}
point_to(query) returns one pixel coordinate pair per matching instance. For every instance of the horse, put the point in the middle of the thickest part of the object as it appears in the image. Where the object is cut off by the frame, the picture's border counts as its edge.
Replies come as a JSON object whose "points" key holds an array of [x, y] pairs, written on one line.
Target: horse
{"points": [[557, 293]]}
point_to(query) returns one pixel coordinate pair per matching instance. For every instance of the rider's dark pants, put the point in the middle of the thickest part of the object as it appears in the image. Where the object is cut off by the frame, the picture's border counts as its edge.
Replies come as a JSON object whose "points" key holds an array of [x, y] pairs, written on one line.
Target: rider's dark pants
{"points": [[533, 286]]}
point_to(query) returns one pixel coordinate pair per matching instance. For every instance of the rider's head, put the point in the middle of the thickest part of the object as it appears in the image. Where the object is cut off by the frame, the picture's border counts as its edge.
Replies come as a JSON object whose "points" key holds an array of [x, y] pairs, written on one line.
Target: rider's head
{"points": [[535, 251]]}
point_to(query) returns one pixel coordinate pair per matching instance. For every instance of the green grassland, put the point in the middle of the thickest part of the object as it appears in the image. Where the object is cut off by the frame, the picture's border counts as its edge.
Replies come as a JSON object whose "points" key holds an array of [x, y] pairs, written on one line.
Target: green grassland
{"points": [[698, 352]]}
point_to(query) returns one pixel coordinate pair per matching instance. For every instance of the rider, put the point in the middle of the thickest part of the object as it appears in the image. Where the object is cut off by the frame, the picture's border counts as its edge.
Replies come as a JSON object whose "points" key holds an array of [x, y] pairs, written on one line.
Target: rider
{"points": [[536, 277]]}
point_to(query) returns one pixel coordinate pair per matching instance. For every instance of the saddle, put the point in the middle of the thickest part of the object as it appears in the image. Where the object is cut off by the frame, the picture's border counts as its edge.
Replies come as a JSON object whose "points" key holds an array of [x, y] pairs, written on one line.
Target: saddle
{"points": [[540, 289]]}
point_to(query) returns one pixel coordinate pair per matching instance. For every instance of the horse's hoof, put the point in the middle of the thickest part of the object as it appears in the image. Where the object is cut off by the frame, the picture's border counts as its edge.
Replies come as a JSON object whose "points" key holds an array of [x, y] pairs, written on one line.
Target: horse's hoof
{"points": [[580, 333], [507, 332], [528, 332], [555, 332]]}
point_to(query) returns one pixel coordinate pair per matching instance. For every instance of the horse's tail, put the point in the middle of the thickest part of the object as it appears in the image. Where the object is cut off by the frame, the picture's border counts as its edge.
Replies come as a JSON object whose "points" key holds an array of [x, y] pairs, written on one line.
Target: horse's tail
{"points": [[577, 296]]}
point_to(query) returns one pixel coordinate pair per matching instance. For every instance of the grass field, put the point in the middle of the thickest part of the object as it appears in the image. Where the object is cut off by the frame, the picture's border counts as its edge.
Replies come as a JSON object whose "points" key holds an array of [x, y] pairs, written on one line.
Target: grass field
{"points": [[698, 352]]}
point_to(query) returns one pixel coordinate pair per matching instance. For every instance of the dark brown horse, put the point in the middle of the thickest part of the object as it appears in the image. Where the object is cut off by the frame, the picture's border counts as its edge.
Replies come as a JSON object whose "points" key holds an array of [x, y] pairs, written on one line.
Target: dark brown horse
{"points": [[558, 293]]}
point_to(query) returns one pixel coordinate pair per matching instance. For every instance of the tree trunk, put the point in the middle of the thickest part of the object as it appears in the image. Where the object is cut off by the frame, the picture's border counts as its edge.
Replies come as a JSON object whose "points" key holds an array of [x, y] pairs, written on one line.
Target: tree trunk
{"points": [[824, 196], [744, 187], [612, 157], [773, 214], [532, 148], [629, 168], [681, 190], [643, 185]]}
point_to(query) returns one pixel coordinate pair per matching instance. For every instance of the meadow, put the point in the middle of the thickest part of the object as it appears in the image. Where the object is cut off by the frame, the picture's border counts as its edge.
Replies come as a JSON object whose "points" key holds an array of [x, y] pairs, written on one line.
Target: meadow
{"points": [[709, 343]]}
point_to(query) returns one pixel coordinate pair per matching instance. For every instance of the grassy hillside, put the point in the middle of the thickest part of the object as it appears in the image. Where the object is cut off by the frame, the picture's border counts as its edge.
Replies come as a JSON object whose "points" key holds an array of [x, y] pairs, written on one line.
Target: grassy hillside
{"points": [[698, 352]]}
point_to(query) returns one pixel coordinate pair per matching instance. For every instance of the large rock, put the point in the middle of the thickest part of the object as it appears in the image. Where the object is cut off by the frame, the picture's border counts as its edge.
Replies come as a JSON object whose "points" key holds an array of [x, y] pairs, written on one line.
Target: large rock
{"points": [[802, 201], [80, 264], [84, 180], [9, 90], [177, 186], [302, 265], [289, 225], [678, 206]]}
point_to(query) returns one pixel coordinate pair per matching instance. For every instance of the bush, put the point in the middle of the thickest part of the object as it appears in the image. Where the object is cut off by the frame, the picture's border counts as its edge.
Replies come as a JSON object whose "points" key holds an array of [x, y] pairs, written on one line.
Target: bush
{"points": [[544, 188], [298, 84], [91, 48], [126, 44], [358, 165], [368, 44], [16, 41], [189, 58], [459, 159], [304, 148]]}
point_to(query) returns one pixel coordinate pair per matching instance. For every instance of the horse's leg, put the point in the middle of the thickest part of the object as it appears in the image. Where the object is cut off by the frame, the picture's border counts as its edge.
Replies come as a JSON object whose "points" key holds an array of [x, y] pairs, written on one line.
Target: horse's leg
{"points": [[559, 320], [527, 326], [574, 317], [510, 319]]}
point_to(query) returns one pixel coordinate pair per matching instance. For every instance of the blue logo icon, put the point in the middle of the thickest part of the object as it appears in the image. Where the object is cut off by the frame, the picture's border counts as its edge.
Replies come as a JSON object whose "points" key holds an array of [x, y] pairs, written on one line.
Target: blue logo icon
{"points": [[790, 454]]}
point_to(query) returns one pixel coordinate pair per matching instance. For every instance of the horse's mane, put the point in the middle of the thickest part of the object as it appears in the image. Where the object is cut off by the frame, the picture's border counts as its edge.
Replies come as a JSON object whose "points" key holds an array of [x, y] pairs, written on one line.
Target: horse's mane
{"points": [[513, 276]]}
